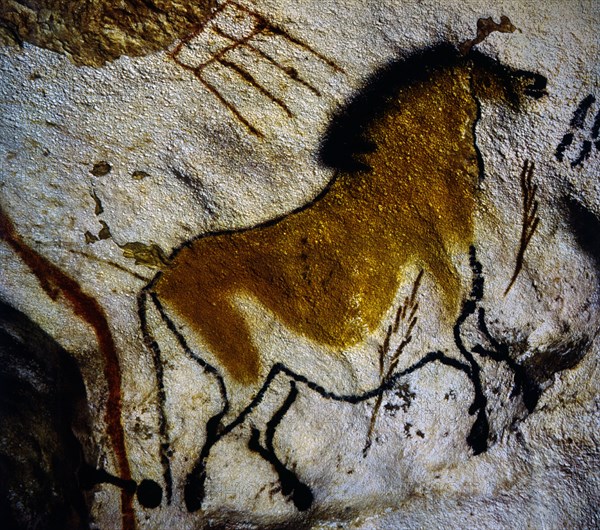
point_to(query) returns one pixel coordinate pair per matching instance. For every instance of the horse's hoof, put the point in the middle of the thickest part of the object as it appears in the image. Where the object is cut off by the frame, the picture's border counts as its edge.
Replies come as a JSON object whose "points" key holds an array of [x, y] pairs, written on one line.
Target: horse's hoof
{"points": [[193, 493], [479, 434], [302, 497]]}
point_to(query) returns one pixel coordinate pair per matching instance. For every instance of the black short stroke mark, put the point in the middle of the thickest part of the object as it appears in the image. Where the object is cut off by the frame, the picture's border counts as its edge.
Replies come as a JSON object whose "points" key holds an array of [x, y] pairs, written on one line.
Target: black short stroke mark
{"points": [[577, 127]]}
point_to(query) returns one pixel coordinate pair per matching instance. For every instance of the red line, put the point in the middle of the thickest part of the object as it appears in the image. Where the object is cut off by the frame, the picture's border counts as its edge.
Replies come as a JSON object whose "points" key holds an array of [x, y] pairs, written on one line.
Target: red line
{"points": [[54, 281], [186, 40]]}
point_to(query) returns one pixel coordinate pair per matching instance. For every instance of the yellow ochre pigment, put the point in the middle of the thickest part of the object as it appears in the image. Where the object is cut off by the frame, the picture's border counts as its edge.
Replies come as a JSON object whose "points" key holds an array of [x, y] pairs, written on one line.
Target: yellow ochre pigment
{"points": [[332, 270]]}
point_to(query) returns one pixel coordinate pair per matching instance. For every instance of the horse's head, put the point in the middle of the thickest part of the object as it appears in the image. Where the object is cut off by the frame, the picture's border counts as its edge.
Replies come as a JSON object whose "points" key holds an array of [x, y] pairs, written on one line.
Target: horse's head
{"points": [[407, 141], [494, 81], [347, 136]]}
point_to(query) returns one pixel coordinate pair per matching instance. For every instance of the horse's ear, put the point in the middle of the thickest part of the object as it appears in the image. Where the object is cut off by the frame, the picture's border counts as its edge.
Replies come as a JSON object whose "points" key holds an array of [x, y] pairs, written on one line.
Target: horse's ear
{"points": [[491, 79], [485, 26]]}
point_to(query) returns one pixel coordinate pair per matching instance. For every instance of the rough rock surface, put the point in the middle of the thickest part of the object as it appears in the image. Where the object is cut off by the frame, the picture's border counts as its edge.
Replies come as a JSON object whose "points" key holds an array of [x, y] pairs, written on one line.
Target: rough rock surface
{"points": [[318, 265], [94, 32]]}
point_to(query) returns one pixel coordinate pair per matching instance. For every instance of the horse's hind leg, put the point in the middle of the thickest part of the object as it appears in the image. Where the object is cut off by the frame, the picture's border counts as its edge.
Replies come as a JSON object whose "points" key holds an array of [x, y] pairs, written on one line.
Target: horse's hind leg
{"points": [[154, 349], [291, 486], [194, 490]]}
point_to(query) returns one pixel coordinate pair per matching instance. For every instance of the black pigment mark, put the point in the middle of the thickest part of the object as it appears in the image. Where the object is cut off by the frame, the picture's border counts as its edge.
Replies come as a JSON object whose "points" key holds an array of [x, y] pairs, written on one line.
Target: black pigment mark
{"points": [[190, 182], [90, 477], [499, 352], [196, 186], [405, 396], [584, 154], [148, 492], [541, 366], [578, 123], [566, 141], [596, 126], [586, 227], [530, 220], [291, 486], [537, 88], [581, 112]]}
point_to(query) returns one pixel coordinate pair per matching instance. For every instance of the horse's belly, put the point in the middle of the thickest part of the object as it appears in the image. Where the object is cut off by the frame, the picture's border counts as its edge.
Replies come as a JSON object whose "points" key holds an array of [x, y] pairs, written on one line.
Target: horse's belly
{"points": [[335, 301]]}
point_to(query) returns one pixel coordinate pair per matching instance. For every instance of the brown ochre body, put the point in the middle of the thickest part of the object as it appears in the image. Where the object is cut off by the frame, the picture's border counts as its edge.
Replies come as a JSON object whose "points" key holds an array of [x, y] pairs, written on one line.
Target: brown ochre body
{"points": [[404, 195]]}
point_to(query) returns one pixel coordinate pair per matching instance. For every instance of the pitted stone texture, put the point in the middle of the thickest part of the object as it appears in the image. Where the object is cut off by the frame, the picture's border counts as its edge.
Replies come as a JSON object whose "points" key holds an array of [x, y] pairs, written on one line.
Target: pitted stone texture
{"points": [[106, 168], [93, 32]]}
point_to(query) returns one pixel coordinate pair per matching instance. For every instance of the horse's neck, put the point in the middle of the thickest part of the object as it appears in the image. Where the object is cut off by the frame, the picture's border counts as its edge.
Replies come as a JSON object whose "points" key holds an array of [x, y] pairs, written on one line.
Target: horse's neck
{"points": [[426, 133]]}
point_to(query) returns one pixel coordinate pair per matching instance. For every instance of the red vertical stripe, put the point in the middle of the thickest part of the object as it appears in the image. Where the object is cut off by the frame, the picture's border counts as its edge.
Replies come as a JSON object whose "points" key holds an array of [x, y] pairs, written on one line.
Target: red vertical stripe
{"points": [[56, 282]]}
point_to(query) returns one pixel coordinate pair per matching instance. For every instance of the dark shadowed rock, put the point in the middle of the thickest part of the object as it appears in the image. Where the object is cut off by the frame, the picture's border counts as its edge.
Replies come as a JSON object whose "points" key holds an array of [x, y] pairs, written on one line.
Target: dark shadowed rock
{"points": [[42, 396]]}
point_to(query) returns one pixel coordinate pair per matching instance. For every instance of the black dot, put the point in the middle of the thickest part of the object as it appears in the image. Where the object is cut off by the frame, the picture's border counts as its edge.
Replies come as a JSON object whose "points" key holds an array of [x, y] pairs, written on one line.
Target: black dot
{"points": [[149, 494]]}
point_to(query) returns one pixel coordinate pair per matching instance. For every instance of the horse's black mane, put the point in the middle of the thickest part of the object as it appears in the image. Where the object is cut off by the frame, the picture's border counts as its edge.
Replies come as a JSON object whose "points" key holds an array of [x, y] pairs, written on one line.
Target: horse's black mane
{"points": [[344, 138]]}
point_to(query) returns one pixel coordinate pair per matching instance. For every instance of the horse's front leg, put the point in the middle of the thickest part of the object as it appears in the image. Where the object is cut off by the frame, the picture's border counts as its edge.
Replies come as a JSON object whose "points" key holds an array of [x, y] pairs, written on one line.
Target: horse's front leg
{"points": [[499, 352], [291, 486], [163, 429], [479, 434]]}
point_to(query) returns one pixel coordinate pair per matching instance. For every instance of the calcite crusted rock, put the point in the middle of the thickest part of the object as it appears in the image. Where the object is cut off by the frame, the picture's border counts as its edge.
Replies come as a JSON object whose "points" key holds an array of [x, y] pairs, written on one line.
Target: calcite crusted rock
{"points": [[317, 264], [94, 32]]}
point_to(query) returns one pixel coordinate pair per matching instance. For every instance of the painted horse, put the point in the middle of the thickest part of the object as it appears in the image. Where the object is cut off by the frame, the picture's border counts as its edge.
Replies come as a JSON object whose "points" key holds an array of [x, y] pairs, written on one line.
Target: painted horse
{"points": [[404, 192]]}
